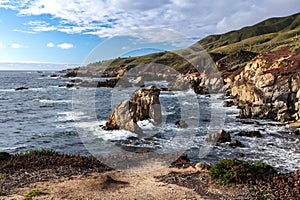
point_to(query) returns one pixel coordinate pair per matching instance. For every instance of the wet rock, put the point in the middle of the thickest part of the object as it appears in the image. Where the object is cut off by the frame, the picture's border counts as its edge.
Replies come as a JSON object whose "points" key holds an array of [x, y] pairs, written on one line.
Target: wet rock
{"points": [[68, 85], [21, 88], [144, 104], [181, 124], [54, 76], [236, 143], [250, 134], [220, 137]]}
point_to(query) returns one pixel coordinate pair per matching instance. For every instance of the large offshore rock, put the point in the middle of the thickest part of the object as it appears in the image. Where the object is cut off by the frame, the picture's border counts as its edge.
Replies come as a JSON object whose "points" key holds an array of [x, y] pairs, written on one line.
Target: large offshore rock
{"points": [[144, 104]]}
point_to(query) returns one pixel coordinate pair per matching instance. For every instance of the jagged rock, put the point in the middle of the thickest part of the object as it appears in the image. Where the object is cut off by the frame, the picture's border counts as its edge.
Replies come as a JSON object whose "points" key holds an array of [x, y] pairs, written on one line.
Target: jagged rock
{"points": [[21, 88], [250, 134], [181, 124], [144, 104], [220, 137]]}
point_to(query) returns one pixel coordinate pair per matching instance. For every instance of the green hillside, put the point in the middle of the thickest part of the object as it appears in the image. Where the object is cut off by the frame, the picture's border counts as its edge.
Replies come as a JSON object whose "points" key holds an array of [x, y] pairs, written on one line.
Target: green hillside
{"points": [[231, 50]]}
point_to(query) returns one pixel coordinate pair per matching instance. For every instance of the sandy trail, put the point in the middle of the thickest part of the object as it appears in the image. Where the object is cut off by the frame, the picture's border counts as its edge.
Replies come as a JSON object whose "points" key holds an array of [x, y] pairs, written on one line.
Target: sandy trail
{"points": [[133, 184]]}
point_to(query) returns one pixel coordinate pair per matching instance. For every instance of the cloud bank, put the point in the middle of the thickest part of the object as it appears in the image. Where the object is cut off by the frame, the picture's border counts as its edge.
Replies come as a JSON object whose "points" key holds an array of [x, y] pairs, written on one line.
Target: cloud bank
{"points": [[192, 18]]}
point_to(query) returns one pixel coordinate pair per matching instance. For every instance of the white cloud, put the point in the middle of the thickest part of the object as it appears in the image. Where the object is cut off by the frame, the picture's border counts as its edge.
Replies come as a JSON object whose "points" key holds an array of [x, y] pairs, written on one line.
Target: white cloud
{"points": [[50, 44], [192, 18], [65, 45], [16, 46]]}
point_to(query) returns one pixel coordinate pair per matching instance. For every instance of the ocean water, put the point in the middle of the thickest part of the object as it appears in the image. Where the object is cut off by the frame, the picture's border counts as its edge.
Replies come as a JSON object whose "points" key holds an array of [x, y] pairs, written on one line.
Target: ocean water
{"points": [[67, 120]]}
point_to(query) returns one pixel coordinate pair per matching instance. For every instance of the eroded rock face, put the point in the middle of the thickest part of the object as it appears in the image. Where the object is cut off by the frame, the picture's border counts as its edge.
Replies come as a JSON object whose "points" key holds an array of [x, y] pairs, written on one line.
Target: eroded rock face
{"points": [[144, 104], [268, 87]]}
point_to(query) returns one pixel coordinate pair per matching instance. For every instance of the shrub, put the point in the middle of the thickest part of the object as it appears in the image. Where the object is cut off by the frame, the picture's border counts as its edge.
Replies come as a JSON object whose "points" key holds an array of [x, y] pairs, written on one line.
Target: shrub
{"points": [[234, 171], [33, 193], [41, 152]]}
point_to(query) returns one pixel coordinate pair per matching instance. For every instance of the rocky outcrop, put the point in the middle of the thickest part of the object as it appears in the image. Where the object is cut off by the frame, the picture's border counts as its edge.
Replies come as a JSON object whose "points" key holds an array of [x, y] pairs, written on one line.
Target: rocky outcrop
{"points": [[199, 82], [144, 104], [268, 87]]}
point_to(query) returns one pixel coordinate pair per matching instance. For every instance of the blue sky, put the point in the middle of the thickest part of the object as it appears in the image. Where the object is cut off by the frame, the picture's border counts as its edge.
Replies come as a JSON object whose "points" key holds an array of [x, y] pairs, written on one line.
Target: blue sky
{"points": [[79, 31]]}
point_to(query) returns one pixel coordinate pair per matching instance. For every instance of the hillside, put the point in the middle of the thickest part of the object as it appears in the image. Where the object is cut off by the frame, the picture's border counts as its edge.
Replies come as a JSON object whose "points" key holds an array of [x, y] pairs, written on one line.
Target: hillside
{"points": [[231, 51]]}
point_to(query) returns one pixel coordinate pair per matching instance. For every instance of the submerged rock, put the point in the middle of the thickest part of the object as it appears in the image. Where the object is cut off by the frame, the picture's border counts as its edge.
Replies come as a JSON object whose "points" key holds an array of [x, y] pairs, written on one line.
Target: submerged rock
{"points": [[144, 104]]}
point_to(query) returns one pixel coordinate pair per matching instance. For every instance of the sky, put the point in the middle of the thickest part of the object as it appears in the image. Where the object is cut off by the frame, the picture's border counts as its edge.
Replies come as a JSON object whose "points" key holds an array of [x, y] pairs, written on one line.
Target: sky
{"points": [[70, 31]]}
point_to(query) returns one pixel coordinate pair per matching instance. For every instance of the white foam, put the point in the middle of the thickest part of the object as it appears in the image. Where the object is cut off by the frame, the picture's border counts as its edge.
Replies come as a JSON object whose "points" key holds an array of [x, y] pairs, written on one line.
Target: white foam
{"points": [[51, 101]]}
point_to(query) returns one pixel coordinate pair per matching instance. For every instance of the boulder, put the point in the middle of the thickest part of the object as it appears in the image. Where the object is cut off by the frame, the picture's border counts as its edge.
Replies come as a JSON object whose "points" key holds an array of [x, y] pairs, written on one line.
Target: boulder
{"points": [[144, 104], [220, 137], [250, 134], [181, 124]]}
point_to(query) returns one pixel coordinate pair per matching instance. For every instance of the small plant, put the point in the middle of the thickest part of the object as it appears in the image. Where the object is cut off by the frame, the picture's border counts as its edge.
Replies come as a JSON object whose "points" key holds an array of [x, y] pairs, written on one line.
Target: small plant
{"points": [[33, 193], [3, 175], [233, 171], [41, 152], [13, 164]]}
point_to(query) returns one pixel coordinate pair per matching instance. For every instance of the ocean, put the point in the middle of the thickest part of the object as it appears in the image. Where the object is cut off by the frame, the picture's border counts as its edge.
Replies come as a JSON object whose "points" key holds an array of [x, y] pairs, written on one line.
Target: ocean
{"points": [[68, 120]]}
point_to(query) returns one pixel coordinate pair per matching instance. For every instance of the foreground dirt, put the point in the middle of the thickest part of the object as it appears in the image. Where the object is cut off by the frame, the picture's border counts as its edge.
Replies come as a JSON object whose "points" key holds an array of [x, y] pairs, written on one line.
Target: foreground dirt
{"points": [[111, 185]]}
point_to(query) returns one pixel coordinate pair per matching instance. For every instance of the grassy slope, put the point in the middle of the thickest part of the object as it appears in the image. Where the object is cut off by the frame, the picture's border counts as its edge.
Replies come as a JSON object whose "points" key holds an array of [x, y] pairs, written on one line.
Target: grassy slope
{"points": [[233, 49]]}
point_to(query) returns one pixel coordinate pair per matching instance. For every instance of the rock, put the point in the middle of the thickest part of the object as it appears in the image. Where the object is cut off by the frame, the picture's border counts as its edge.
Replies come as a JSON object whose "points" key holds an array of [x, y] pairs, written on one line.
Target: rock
{"points": [[144, 104], [202, 166], [71, 72], [228, 103], [236, 143], [54, 76], [21, 88], [220, 137], [181, 124], [179, 84], [250, 134], [182, 162], [240, 155], [68, 85]]}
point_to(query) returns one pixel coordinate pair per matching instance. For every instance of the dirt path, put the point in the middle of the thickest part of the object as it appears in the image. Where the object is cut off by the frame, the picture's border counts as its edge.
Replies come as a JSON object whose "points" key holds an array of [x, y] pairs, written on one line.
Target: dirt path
{"points": [[139, 184]]}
